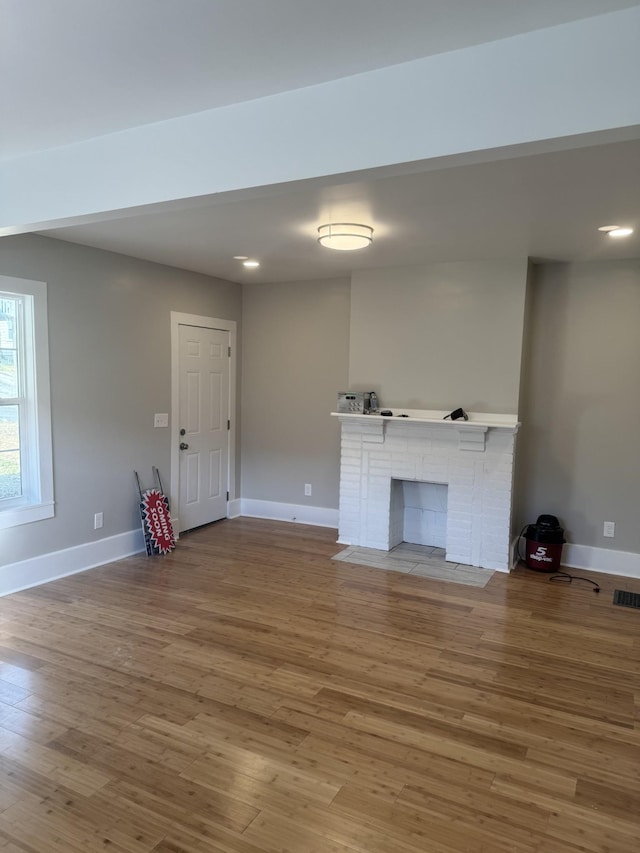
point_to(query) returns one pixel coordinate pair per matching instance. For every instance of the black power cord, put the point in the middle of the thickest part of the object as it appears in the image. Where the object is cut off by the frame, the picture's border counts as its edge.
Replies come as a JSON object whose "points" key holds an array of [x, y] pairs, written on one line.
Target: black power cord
{"points": [[565, 577]]}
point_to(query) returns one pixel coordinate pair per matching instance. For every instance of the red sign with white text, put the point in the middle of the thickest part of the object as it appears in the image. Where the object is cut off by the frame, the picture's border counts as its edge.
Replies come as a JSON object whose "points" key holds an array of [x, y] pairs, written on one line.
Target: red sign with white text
{"points": [[158, 521]]}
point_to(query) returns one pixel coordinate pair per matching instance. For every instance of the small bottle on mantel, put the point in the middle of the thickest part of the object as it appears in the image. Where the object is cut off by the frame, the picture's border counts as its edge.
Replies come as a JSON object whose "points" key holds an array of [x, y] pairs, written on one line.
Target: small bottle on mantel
{"points": [[373, 402]]}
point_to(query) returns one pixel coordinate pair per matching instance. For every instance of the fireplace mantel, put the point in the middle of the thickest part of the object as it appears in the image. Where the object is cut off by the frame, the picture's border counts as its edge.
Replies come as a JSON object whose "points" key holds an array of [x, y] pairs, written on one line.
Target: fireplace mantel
{"points": [[471, 433]]}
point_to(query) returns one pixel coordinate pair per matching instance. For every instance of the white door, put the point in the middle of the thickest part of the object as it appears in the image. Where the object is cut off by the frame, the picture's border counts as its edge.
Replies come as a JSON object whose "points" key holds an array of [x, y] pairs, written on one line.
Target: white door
{"points": [[203, 391]]}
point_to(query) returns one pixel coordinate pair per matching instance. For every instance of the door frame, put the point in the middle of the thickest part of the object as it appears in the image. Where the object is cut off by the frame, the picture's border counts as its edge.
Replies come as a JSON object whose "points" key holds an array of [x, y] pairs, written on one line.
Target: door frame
{"points": [[179, 319]]}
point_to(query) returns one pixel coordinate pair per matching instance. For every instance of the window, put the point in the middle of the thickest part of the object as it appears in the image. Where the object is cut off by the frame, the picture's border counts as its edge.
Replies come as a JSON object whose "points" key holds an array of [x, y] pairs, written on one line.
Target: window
{"points": [[26, 474]]}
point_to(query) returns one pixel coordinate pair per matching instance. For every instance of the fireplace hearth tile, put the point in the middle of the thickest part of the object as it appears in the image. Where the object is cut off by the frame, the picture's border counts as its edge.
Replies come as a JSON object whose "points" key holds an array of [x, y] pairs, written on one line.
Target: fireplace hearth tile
{"points": [[419, 560]]}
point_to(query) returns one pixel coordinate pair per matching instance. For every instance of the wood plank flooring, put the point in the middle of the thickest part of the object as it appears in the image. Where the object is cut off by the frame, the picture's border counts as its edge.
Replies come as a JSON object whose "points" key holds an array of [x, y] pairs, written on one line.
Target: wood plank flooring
{"points": [[247, 694]]}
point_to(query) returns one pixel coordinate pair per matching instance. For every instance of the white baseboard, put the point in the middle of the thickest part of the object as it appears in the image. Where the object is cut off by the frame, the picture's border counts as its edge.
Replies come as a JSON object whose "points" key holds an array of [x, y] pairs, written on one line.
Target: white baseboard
{"points": [[234, 509], [602, 560], [318, 516], [592, 559], [59, 564]]}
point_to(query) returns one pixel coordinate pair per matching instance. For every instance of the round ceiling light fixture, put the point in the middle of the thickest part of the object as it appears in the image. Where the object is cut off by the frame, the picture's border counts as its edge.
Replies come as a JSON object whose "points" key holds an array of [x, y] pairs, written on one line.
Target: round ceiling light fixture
{"points": [[345, 236], [251, 264], [616, 230]]}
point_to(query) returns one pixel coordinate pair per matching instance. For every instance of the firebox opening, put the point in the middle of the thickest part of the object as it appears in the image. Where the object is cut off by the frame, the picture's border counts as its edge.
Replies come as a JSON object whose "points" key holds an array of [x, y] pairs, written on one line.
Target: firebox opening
{"points": [[418, 513]]}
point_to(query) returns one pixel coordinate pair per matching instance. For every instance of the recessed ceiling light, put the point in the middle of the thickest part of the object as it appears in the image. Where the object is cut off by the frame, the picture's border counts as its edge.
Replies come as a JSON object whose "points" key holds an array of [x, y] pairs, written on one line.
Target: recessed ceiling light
{"points": [[608, 227], [251, 264], [621, 232], [241, 257]]}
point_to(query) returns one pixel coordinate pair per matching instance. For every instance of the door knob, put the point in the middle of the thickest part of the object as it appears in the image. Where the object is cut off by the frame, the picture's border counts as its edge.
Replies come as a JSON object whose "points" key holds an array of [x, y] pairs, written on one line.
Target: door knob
{"points": [[183, 446]]}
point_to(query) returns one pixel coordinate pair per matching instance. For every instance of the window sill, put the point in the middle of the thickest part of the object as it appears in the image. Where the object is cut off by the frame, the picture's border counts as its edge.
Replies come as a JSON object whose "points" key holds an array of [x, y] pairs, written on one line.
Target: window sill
{"points": [[25, 514]]}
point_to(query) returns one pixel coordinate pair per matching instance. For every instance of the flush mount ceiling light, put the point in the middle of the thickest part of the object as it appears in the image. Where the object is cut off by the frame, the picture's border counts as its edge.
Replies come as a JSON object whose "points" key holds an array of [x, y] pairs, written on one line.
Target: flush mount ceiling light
{"points": [[251, 264], [616, 230], [345, 236]]}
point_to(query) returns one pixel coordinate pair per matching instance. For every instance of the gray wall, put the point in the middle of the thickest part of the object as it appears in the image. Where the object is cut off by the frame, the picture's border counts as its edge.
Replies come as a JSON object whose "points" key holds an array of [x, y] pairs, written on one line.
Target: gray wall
{"points": [[295, 357], [440, 336], [578, 449], [418, 338], [110, 358]]}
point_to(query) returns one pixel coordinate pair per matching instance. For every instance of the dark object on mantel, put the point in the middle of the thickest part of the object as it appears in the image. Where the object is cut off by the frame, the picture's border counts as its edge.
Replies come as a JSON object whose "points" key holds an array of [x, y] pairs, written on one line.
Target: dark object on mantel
{"points": [[386, 413], [456, 414]]}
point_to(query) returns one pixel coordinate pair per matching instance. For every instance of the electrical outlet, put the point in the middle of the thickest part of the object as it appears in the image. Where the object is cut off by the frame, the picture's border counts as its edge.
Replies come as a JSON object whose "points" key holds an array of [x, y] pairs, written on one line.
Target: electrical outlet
{"points": [[609, 529], [161, 420], [307, 490], [98, 521]]}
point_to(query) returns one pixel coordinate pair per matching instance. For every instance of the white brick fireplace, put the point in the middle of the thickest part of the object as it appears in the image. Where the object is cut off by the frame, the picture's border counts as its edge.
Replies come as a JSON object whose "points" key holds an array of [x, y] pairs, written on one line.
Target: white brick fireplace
{"points": [[473, 459]]}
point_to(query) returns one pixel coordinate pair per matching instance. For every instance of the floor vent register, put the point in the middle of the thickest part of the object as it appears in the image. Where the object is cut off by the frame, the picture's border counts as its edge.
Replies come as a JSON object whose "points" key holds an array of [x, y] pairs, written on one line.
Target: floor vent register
{"points": [[626, 599]]}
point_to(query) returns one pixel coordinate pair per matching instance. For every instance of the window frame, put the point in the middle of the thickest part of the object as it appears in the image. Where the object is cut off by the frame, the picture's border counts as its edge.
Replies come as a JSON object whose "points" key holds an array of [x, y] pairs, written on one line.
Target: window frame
{"points": [[34, 401]]}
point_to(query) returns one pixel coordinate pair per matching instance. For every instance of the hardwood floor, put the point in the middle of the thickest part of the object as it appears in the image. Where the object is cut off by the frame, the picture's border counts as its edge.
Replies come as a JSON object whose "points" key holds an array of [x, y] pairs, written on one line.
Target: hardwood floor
{"points": [[248, 694]]}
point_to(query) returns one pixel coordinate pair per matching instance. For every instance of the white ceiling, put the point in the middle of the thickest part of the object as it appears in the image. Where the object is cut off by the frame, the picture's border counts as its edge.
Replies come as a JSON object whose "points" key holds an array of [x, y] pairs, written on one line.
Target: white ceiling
{"points": [[147, 60], [74, 69]]}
